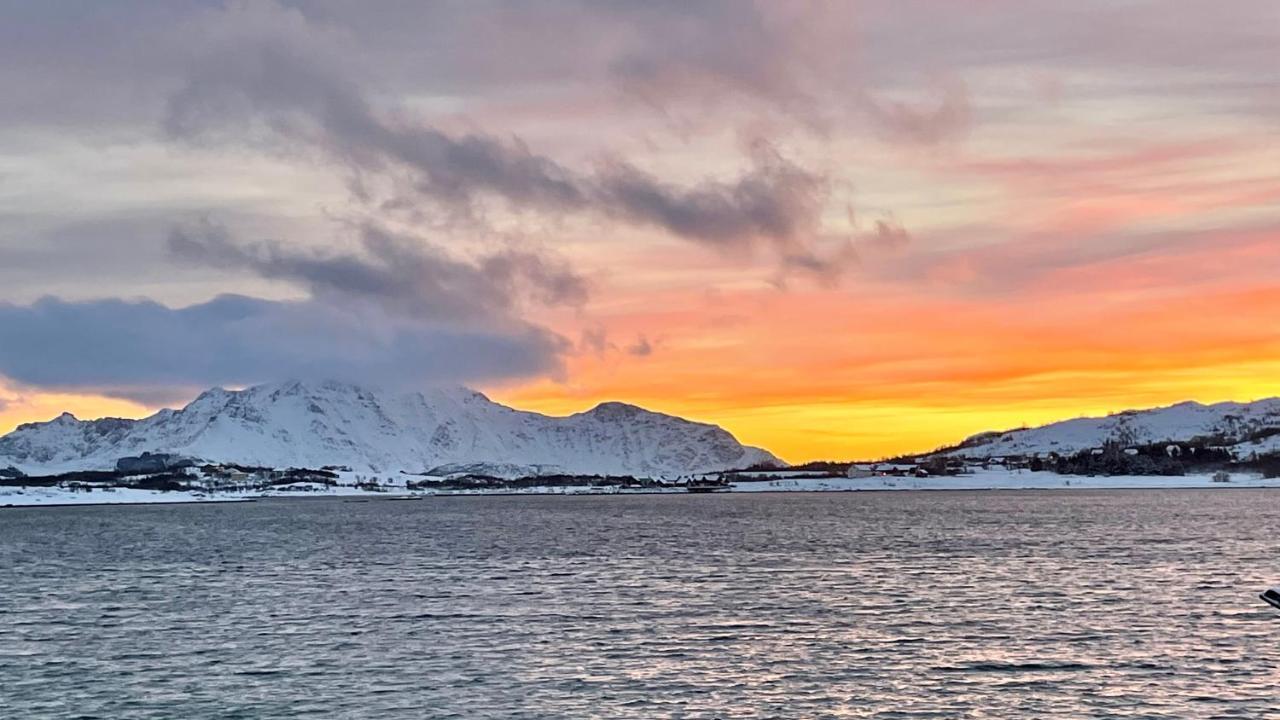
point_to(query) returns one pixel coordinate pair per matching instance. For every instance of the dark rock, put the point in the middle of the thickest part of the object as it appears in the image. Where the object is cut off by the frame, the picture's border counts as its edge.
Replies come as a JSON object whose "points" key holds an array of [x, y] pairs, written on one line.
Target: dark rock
{"points": [[152, 463]]}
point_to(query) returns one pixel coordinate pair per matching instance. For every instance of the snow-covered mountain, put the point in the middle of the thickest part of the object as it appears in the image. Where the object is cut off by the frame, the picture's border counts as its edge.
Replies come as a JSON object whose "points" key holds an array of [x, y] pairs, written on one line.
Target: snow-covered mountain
{"points": [[1247, 428], [296, 424]]}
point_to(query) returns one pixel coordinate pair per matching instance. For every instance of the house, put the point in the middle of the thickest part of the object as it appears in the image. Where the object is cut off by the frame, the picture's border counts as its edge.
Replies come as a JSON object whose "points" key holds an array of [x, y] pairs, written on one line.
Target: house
{"points": [[862, 470], [896, 469]]}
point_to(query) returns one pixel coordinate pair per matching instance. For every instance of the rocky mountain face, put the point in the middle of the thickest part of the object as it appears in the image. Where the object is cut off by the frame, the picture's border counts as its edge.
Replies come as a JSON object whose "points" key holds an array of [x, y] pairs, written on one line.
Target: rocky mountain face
{"points": [[296, 424], [1246, 429]]}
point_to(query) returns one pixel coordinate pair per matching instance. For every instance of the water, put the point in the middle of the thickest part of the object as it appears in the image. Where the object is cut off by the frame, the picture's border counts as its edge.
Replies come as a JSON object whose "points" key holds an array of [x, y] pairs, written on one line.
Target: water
{"points": [[887, 605]]}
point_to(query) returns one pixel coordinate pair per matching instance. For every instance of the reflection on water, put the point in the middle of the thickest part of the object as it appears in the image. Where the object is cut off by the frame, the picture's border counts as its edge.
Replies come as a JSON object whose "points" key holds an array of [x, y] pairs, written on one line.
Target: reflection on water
{"points": [[896, 605]]}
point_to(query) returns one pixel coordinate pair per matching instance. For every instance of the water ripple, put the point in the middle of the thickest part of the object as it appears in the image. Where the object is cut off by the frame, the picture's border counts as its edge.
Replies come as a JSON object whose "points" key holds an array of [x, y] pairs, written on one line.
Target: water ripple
{"points": [[857, 605]]}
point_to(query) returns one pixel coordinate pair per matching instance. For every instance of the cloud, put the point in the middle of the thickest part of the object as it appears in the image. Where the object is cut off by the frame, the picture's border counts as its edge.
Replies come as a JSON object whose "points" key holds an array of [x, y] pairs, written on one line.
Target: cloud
{"points": [[641, 347], [544, 281], [402, 273], [928, 123], [889, 234], [595, 340], [803, 61], [281, 88], [776, 201], [792, 60], [142, 349]]}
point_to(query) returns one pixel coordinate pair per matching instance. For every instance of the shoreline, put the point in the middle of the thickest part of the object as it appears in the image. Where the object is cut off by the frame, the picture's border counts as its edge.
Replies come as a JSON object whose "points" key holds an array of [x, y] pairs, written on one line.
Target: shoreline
{"points": [[24, 497], [128, 503]]}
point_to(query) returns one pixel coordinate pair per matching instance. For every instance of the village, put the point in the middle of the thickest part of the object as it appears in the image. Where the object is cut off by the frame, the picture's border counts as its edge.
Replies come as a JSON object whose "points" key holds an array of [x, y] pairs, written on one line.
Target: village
{"points": [[170, 473]]}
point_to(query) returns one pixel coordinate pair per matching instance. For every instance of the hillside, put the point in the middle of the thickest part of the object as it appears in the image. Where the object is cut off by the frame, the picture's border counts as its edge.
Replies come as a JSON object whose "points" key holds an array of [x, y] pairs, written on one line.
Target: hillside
{"points": [[332, 423]]}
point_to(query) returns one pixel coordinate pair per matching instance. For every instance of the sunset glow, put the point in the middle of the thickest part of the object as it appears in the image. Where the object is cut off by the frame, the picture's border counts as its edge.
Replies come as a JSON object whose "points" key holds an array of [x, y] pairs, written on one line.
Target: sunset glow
{"points": [[844, 230]]}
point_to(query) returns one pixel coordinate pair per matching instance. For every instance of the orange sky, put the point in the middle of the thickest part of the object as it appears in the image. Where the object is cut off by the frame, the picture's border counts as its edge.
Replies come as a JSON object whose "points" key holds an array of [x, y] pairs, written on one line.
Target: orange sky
{"points": [[1137, 280], [873, 376]]}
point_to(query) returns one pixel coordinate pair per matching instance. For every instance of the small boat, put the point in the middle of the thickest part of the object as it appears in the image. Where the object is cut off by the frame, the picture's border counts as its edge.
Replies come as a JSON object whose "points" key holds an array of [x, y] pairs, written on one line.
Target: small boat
{"points": [[1272, 596]]}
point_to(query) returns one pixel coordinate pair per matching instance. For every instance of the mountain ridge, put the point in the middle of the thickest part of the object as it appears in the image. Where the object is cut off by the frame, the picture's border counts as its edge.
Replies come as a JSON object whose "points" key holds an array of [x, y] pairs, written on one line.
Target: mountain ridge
{"points": [[293, 423], [1246, 428]]}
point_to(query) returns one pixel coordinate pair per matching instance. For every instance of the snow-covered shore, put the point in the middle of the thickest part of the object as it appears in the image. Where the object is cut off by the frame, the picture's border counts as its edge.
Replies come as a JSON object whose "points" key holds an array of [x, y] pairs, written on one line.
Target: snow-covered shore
{"points": [[1008, 480], [983, 480], [33, 496]]}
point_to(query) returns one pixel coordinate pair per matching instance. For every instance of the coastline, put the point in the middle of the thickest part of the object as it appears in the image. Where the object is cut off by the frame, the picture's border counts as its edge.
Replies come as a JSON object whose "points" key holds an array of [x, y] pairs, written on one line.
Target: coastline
{"points": [[19, 497]]}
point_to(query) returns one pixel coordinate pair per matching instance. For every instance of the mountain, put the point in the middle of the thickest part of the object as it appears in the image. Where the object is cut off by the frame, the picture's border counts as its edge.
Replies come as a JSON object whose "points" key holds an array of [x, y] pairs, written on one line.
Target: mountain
{"points": [[296, 424], [1245, 428]]}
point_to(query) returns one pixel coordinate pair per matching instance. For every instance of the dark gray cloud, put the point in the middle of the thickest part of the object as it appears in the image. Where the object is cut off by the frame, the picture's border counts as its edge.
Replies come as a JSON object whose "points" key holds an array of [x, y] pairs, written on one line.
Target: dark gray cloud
{"points": [[145, 350], [252, 82], [777, 201], [401, 273]]}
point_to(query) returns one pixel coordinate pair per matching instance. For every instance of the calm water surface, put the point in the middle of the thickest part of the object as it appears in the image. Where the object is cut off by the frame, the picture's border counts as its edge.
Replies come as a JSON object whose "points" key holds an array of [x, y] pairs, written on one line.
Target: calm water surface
{"points": [[887, 605]]}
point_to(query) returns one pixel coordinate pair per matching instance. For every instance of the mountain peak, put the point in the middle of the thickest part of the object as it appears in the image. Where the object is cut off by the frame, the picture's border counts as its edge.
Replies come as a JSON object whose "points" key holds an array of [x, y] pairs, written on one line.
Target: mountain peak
{"points": [[613, 410]]}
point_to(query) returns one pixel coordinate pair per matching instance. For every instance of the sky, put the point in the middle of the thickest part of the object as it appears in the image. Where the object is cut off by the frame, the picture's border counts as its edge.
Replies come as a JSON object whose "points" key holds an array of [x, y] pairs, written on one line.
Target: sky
{"points": [[839, 229]]}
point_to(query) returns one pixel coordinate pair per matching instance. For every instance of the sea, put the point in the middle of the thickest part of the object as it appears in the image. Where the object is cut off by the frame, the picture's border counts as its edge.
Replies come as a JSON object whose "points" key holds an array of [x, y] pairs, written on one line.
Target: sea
{"points": [[1019, 604]]}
